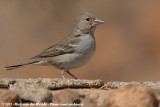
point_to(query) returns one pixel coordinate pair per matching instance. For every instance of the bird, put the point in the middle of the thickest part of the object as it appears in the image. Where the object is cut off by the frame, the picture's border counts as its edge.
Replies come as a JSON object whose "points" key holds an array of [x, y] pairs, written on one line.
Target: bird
{"points": [[73, 51]]}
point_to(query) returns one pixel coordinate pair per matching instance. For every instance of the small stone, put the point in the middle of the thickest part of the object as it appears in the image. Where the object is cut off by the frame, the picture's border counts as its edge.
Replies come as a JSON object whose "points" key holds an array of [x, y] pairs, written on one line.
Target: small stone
{"points": [[87, 97], [71, 98], [6, 82], [118, 84], [32, 93], [8, 98], [132, 96]]}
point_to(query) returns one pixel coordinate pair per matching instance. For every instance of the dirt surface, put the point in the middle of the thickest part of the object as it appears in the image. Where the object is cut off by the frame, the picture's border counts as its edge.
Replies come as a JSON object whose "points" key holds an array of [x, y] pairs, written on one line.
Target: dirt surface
{"points": [[89, 93]]}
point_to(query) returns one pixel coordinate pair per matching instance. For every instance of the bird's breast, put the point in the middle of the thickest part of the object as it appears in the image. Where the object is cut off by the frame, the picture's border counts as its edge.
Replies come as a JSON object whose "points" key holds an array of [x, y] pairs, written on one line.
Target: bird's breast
{"points": [[86, 45], [85, 49]]}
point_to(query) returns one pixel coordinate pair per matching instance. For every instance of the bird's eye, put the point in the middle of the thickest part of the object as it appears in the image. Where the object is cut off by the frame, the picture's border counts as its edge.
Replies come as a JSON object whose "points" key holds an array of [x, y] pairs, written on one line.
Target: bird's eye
{"points": [[87, 19]]}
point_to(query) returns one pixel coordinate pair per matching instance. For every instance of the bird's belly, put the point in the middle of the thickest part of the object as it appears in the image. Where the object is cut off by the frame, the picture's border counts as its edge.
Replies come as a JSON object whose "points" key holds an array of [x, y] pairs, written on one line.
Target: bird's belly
{"points": [[80, 60], [71, 61]]}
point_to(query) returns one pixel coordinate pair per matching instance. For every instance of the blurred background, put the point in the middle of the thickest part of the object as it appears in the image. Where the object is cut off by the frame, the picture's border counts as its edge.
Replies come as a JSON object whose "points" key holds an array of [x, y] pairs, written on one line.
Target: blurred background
{"points": [[128, 44]]}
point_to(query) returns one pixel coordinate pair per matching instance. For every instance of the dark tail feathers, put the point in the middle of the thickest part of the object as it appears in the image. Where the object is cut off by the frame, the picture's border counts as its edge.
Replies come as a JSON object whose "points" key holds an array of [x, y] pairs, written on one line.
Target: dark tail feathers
{"points": [[20, 65]]}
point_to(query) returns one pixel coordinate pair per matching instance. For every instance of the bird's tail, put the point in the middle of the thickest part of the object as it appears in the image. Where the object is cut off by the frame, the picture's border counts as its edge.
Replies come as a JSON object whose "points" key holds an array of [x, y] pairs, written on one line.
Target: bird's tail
{"points": [[20, 65]]}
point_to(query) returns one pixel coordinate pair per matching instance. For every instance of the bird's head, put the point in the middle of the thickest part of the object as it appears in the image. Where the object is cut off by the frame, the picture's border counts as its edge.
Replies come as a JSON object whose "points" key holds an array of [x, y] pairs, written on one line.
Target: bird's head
{"points": [[87, 22]]}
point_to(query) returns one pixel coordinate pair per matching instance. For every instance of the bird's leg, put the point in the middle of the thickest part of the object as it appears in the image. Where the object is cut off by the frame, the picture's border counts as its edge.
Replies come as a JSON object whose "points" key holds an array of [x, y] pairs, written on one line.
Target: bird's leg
{"points": [[71, 74], [62, 73]]}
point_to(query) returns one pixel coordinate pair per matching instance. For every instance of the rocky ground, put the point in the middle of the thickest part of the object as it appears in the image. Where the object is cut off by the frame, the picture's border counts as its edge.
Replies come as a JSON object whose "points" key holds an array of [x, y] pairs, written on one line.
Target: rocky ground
{"points": [[76, 93]]}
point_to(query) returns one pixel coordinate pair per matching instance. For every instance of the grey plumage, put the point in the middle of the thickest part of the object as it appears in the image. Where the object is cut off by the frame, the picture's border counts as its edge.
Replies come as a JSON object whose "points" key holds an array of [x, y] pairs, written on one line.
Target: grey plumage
{"points": [[56, 50], [73, 51]]}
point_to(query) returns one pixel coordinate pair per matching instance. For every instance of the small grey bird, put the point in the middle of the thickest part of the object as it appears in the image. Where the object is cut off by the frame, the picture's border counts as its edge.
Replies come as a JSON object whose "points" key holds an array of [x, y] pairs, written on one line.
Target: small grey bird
{"points": [[73, 51]]}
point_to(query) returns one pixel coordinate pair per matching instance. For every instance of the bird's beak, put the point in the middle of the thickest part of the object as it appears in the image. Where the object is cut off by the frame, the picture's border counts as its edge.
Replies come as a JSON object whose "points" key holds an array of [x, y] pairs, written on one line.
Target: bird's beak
{"points": [[97, 22]]}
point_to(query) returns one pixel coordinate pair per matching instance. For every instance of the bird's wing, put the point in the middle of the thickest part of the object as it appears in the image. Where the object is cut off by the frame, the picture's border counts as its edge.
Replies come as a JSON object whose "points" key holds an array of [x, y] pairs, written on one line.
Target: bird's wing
{"points": [[56, 50]]}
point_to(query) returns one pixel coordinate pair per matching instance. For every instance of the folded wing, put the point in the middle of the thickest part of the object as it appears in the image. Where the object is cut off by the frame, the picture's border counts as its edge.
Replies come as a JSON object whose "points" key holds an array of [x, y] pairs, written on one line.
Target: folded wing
{"points": [[56, 50]]}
